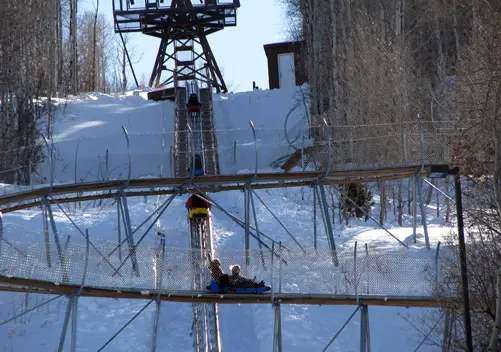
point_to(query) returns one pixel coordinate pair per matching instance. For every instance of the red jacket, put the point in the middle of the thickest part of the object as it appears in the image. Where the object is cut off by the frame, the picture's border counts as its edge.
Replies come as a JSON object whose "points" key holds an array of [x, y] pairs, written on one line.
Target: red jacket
{"points": [[195, 202]]}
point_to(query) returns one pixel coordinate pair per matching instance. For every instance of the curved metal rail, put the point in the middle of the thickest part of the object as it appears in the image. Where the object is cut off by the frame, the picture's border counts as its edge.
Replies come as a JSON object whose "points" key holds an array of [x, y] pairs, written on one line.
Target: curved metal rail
{"points": [[68, 193], [35, 286]]}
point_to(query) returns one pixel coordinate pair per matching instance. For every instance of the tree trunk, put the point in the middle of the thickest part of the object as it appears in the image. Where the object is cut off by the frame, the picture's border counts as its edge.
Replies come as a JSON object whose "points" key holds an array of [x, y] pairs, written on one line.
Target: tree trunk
{"points": [[496, 329], [447, 202], [382, 191], [60, 69], [52, 64], [94, 45], [496, 139], [400, 204], [455, 30], [124, 67], [73, 81], [409, 196], [429, 194]]}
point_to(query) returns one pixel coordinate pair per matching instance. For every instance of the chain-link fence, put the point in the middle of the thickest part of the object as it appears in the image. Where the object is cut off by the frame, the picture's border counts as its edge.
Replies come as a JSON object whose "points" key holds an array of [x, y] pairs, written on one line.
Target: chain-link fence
{"points": [[391, 272], [152, 155], [379, 146]]}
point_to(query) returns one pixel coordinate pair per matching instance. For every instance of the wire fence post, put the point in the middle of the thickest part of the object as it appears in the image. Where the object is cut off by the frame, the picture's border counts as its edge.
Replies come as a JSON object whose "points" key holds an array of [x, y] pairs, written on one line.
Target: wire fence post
{"points": [[159, 263], [314, 216], [280, 267], [405, 147], [235, 157], [1, 233], [355, 279], [50, 149], [30, 171], [414, 208], [247, 223], [171, 161], [46, 234], [302, 152], [107, 166], [437, 267], [367, 264], [272, 272], [76, 161], [129, 156], [255, 147], [119, 229], [192, 145], [329, 150]]}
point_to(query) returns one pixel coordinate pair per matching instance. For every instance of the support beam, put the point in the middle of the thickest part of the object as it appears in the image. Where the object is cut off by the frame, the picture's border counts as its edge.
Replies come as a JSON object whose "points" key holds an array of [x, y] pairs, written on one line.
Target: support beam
{"points": [[62, 258], [156, 318], [1, 232], [447, 335], [242, 224], [72, 306], [341, 329], [67, 316], [74, 324], [377, 222], [414, 207], [124, 326], [278, 220], [46, 234], [328, 224], [365, 342], [124, 209], [247, 223], [163, 207], [423, 211], [260, 243], [277, 329], [315, 219]]}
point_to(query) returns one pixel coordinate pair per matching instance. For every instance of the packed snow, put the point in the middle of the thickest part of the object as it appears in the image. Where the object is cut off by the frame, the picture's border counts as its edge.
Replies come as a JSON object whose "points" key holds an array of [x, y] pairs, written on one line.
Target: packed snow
{"points": [[94, 124]]}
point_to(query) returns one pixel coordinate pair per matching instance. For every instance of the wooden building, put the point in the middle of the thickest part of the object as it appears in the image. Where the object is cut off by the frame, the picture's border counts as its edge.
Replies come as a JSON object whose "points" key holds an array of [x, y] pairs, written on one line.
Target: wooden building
{"points": [[286, 64]]}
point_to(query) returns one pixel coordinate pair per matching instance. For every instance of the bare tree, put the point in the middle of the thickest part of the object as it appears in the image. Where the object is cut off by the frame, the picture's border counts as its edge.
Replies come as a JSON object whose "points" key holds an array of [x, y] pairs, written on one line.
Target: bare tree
{"points": [[94, 47]]}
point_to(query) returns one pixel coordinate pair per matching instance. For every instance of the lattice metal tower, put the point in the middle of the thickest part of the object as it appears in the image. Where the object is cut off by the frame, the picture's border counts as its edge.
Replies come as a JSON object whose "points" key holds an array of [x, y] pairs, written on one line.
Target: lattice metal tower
{"points": [[182, 26]]}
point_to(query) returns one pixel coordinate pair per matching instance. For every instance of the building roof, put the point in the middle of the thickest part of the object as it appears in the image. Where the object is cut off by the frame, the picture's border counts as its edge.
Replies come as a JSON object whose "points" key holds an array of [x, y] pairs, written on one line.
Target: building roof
{"points": [[281, 45]]}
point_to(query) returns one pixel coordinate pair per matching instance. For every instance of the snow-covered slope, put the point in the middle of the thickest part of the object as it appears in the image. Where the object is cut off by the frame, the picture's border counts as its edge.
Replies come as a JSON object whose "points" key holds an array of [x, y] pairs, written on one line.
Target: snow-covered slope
{"points": [[95, 122], [90, 144]]}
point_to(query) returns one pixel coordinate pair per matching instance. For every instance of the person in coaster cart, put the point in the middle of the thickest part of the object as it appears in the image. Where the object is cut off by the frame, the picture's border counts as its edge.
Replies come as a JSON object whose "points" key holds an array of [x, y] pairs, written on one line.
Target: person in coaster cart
{"points": [[236, 280], [193, 103], [198, 208], [218, 275]]}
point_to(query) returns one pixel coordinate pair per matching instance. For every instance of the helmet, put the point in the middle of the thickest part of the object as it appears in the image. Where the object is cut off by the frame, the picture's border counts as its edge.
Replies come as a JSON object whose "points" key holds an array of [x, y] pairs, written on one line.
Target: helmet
{"points": [[235, 269]]}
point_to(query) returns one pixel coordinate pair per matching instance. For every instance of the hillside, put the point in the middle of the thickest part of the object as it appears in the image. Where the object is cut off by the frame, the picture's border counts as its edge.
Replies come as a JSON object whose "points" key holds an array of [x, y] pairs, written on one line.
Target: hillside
{"points": [[93, 122]]}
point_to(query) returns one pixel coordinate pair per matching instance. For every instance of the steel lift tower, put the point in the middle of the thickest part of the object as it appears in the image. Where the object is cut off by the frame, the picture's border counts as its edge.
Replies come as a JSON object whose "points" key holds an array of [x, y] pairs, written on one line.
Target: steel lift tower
{"points": [[182, 27], [187, 63]]}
